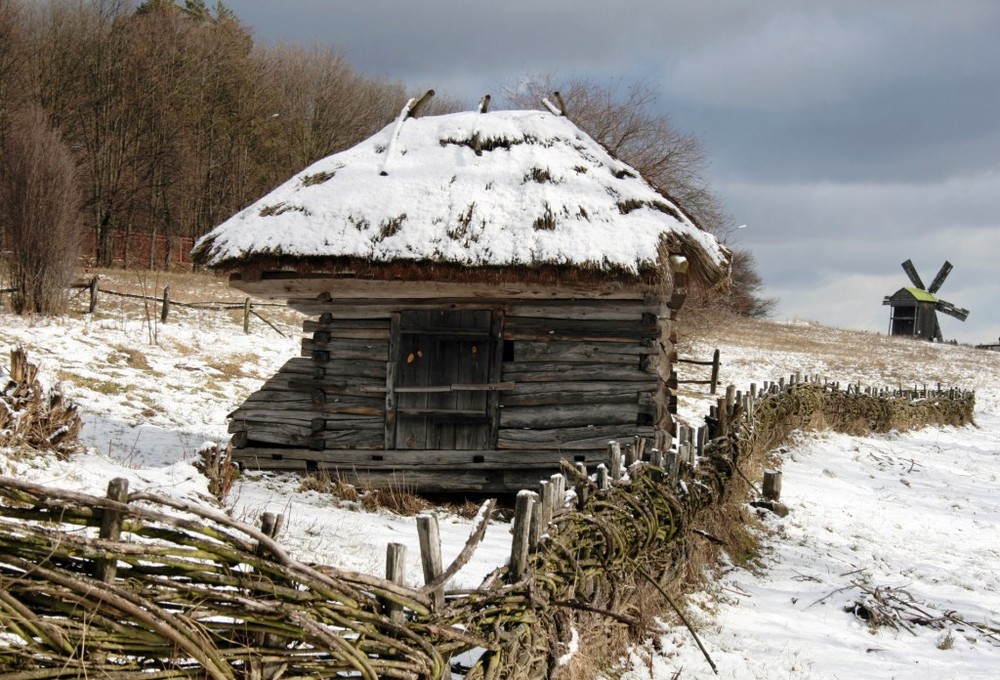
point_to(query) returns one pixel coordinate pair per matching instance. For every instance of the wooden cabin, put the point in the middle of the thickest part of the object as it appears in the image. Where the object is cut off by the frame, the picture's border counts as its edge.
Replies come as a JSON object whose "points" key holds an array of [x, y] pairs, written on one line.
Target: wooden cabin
{"points": [[489, 293]]}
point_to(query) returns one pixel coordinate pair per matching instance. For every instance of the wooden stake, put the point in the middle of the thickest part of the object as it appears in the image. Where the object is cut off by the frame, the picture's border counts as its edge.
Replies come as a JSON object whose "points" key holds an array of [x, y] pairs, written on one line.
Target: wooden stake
{"points": [[615, 460], [715, 372], [111, 529], [430, 553], [772, 485], [523, 511], [166, 304], [395, 571], [93, 295]]}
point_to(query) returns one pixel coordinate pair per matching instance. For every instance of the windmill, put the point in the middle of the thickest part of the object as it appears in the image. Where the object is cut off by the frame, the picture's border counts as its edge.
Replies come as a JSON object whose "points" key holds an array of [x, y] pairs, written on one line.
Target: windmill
{"points": [[914, 310]]}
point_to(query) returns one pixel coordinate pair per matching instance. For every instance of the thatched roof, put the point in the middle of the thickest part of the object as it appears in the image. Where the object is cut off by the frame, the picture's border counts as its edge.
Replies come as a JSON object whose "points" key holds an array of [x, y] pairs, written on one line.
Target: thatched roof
{"points": [[506, 190]]}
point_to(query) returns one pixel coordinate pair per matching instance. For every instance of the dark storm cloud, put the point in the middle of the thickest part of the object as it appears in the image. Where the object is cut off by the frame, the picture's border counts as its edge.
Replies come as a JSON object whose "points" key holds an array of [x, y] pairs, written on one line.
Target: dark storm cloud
{"points": [[848, 135]]}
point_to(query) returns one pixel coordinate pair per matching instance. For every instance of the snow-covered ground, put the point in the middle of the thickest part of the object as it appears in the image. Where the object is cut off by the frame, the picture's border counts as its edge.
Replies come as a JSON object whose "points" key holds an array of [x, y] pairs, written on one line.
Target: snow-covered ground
{"points": [[909, 516]]}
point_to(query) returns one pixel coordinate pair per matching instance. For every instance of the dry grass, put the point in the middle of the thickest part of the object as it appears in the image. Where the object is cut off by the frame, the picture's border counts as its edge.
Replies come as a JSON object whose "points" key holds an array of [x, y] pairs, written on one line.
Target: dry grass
{"points": [[845, 355]]}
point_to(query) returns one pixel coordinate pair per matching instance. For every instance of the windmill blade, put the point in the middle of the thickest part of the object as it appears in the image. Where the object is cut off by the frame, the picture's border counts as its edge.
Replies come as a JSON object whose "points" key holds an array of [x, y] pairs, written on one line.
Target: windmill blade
{"points": [[951, 310], [939, 279], [912, 273]]}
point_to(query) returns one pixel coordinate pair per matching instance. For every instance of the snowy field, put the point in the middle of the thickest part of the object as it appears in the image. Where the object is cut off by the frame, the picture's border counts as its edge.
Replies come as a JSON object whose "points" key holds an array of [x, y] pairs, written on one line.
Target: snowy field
{"points": [[902, 522]]}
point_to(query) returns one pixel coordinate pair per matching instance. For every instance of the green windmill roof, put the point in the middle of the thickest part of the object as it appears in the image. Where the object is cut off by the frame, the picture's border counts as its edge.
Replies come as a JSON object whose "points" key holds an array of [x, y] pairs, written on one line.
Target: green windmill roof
{"points": [[921, 295]]}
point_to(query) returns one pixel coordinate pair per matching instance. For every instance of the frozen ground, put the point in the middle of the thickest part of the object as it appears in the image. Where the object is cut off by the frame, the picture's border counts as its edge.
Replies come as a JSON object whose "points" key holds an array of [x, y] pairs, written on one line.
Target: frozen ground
{"points": [[909, 516]]}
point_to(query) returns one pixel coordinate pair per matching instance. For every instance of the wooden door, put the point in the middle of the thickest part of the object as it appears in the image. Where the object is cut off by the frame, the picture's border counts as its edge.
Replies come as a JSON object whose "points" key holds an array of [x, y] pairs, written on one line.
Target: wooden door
{"points": [[445, 366]]}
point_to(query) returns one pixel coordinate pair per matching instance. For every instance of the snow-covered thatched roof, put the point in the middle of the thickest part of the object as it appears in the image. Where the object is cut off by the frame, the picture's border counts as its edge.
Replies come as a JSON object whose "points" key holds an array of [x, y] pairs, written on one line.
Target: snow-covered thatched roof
{"points": [[505, 189]]}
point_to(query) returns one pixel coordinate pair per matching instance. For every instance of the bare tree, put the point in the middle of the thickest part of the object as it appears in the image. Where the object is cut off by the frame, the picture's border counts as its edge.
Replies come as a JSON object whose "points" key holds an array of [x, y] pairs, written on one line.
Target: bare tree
{"points": [[10, 60], [39, 212]]}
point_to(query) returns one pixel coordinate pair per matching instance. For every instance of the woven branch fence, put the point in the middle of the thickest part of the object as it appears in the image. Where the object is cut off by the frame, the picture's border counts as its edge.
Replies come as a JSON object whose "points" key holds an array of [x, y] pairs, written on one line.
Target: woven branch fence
{"points": [[140, 586]]}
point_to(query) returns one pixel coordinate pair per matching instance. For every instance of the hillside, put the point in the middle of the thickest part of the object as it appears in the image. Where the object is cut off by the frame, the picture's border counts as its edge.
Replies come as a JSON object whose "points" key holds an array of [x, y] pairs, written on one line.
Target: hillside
{"points": [[903, 524]]}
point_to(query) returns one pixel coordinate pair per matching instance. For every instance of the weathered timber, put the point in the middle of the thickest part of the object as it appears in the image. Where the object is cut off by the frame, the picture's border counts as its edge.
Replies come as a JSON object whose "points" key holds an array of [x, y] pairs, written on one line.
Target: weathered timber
{"points": [[545, 393], [582, 352], [429, 535], [527, 328], [334, 400], [570, 438], [292, 435], [524, 508], [438, 460], [571, 415], [545, 372], [347, 348], [305, 419], [357, 309], [297, 288]]}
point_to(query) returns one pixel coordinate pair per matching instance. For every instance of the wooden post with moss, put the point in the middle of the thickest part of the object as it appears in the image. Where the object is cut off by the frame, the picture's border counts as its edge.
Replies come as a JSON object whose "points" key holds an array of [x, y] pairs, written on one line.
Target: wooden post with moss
{"points": [[105, 568]]}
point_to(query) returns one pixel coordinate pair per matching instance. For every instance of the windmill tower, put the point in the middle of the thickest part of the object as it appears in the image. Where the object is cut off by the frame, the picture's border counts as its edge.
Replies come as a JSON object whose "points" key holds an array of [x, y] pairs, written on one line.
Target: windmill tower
{"points": [[914, 310]]}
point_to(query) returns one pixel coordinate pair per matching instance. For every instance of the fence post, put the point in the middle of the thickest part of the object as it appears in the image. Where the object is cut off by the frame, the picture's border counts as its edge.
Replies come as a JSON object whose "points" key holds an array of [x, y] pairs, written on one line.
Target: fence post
{"points": [[523, 511], [111, 529], [246, 315], [430, 553], [772, 485], [715, 371], [582, 486], [166, 304], [93, 295], [615, 460], [603, 479], [395, 571]]}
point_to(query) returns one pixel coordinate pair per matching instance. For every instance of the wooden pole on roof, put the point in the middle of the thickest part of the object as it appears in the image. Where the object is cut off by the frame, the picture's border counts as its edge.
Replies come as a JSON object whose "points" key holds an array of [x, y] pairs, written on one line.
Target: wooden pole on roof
{"points": [[419, 104], [484, 104], [562, 103]]}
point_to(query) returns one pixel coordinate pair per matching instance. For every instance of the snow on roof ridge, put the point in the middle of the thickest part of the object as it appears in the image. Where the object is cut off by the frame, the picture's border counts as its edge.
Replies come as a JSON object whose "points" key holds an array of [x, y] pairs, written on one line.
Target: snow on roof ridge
{"points": [[511, 188]]}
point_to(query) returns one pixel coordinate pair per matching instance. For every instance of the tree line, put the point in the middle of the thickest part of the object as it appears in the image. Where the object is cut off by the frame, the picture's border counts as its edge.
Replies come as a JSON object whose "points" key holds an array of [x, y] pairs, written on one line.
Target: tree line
{"points": [[164, 117]]}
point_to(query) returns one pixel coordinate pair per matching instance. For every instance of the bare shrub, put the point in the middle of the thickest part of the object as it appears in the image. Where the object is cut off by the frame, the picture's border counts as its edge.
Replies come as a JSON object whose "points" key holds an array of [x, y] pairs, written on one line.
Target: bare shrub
{"points": [[31, 416], [39, 211], [216, 463]]}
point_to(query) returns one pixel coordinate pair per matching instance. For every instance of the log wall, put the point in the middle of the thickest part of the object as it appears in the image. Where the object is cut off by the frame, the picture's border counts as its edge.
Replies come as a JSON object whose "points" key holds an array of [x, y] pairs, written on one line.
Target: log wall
{"points": [[570, 375]]}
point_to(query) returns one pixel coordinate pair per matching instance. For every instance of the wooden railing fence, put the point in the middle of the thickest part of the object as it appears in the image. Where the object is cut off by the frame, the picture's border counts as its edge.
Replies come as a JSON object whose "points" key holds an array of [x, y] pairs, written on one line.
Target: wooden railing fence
{"points": [[713, 380], [164, 302], [137, 585]]}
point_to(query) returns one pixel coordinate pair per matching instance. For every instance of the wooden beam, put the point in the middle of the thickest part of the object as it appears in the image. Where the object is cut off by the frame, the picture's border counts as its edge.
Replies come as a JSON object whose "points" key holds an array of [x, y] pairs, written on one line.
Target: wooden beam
{"points": [[305, 290]]}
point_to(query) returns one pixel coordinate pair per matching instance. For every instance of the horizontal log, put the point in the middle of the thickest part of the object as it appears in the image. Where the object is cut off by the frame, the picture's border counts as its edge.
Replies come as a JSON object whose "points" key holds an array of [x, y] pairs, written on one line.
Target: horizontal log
{"points": [[567, 392], [424, 471], [334, 368], [294, 435], [617, 310], [549, 372], [344, 324], [345, 414], [297, 288], [434, 459], [619, 414], [525, 328], [472, 387], [582, 352], [573, 438], [347, 348]]}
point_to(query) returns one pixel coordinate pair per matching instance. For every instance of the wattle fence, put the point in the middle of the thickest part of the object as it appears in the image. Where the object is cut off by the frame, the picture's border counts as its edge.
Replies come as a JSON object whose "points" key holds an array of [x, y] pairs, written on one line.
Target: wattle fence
{"points": [[135, 585]]}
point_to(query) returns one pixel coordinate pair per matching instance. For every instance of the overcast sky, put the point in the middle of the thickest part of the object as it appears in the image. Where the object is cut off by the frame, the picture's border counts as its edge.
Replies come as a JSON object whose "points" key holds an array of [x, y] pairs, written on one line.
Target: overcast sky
{"points": [[848, 135]]}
